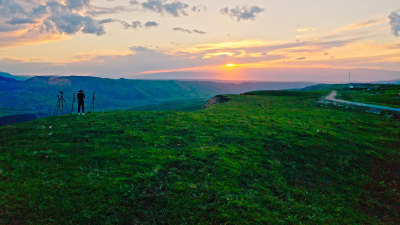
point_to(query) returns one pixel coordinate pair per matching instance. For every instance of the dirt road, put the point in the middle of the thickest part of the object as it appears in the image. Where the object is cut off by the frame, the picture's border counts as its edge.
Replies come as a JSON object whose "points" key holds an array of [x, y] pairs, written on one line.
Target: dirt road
{"points": [[333, 94]]}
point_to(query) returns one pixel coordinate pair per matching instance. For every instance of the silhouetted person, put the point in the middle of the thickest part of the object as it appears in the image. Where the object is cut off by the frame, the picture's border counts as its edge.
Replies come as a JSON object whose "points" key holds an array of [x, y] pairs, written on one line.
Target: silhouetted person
{"points": [[81, 102]]}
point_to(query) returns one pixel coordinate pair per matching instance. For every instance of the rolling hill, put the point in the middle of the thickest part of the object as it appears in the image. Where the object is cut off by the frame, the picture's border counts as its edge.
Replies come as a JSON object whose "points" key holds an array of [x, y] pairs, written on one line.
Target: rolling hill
{"points": [[38, 95], [8, 75], [276, 157]]}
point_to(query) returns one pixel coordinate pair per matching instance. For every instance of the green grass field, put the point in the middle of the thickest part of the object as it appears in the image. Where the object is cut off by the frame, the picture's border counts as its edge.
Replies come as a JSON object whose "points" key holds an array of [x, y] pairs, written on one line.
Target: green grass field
{"points": [[266, 158], [177, 105]]}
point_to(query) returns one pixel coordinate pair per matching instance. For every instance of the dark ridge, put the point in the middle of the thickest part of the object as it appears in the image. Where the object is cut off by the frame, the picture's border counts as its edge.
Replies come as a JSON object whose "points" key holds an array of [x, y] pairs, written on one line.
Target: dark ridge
{"points": [[7, 79], [8, 120]]}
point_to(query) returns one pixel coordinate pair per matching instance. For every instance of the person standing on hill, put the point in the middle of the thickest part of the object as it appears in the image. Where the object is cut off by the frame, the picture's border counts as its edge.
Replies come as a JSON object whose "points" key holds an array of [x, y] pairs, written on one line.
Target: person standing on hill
{"points": [[81, 102]]}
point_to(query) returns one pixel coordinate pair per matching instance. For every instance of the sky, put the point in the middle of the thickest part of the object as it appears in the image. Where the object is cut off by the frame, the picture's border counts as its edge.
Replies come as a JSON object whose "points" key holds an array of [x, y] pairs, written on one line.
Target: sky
{"points": [[275, 40]]}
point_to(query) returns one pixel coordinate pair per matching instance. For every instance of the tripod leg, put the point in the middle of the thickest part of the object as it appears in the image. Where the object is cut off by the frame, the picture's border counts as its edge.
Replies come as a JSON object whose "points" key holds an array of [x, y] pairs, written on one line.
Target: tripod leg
{"points": [[59, 108], [72, 106], [66, 106], [56, 109]]}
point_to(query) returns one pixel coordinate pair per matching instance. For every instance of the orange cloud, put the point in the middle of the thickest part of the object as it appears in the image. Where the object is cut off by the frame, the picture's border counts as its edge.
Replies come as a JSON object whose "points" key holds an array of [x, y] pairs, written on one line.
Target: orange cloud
{"points": [[198, 68], [210, 55], [28, 36], [362, 24], [230, 45], [305, 29]]}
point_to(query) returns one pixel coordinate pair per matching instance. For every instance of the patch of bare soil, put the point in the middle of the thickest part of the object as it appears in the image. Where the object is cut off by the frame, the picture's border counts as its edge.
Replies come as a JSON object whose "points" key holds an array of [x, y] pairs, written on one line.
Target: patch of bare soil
{"points": [[216, 100]]}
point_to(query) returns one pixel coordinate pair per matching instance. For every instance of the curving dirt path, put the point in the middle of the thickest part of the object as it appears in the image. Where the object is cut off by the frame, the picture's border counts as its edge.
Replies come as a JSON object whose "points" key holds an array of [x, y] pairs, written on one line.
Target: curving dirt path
{"points": [[333, 94]]}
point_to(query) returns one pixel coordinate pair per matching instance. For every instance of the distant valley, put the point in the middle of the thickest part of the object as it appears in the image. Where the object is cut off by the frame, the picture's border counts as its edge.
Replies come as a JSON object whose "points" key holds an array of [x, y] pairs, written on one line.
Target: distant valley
{"points": [[38, 95]]}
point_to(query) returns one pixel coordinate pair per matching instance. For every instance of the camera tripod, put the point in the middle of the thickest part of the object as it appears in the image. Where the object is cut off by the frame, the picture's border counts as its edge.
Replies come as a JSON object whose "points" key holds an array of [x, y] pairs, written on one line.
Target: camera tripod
{"points": [[73, 102], [94, 103], [93, 100], [61, 104]]}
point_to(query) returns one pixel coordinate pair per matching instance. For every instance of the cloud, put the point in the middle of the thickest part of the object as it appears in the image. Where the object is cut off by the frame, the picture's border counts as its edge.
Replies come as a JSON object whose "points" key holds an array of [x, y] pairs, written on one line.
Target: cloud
{"points": [[10, 8], [188, 31], [175, 8], [39, 11], [182, 30], [16, 21], [73, 23], [77, 4], [394, 21], [360, 25], [7, 28], [138, 24], [367, 23], [242, 13], [92, 26], [305, 29], [141, 59], [134, 24], [13, 38], [259, 47], [198, 8], [134, 2], [140, 49], [199, 31], [357, 30], [34, 18], [66, 19], [109, 20], [151, 24], [98, 11]]}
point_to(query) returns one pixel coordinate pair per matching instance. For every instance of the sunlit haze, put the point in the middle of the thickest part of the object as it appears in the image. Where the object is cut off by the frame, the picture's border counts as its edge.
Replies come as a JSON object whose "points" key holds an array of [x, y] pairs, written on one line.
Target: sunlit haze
{"points": [[284, 40]]}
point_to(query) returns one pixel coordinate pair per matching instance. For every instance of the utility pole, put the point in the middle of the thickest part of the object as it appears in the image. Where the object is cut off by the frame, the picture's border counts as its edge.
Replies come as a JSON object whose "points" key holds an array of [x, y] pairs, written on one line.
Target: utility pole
{"points": [[350, 86], [349, 78]]}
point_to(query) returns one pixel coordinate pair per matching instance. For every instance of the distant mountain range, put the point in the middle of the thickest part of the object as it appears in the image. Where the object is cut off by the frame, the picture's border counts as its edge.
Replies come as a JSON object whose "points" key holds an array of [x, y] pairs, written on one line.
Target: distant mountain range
{"points": [[388, 82], [38, 95], [319, 75], [7, 75]]}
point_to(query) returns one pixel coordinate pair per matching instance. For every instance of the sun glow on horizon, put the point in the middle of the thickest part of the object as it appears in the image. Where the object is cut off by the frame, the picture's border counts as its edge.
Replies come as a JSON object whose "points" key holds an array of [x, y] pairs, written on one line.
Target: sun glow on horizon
{"points": [[230, 65]]}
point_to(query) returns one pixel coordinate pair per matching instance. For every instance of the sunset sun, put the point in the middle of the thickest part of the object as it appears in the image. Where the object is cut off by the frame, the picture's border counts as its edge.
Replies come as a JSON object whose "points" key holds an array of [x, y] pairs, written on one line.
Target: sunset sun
{"points": [[230, 65]]}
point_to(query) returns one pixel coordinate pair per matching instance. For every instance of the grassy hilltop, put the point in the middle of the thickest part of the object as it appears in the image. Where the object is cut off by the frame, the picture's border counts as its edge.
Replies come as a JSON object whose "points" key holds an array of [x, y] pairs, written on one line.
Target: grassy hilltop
{"points": [[274, 157]]}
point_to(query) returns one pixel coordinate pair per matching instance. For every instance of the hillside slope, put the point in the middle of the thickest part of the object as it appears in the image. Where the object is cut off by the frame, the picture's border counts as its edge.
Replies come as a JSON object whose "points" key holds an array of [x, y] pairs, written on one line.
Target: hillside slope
{"points": [[262, 158], [39, 94], [7, 75]]}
